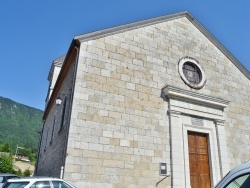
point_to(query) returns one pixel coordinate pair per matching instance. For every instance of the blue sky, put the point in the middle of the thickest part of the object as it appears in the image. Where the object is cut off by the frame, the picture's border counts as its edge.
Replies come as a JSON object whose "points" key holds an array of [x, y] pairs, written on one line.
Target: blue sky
{"points": [[34, 33]]}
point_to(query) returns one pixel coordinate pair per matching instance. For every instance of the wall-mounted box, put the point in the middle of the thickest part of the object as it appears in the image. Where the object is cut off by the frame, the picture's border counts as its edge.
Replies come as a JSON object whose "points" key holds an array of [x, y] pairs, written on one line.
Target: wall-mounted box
{"points": [[163, 169]]}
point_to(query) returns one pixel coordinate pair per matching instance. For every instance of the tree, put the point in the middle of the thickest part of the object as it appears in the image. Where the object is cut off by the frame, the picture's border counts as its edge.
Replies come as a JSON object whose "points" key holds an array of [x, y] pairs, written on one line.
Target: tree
{"points": [[6, 164], [19, 172], [27, 172], [6, 147]]}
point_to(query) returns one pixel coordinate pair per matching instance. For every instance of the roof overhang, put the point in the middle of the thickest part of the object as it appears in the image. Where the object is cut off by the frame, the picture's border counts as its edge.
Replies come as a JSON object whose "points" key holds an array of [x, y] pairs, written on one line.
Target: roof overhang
{"points": [[68, 60]]}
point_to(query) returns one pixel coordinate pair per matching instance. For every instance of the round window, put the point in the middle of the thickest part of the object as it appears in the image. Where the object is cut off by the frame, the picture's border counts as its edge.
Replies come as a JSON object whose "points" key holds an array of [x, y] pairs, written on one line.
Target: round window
{"points": [[192, 73]]}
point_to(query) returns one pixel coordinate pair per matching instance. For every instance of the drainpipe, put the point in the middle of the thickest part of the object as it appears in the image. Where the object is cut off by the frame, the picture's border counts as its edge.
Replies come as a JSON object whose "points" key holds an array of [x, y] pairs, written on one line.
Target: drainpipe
{"points": [[61, 172], [170, 141]]}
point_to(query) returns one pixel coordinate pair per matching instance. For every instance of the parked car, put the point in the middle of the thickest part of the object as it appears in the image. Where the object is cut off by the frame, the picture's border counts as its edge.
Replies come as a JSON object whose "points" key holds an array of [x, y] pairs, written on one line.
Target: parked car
{"points": [[4, 177], [239, 177], [37, 182]]}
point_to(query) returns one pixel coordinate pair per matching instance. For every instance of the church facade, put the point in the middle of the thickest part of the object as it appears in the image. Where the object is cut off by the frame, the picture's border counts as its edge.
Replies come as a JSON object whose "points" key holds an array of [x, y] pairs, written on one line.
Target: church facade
{"points": [[158, 102]]}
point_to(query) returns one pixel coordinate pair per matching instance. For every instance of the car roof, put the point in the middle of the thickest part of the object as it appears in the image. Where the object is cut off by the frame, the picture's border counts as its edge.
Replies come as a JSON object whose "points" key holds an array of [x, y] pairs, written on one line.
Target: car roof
{"points": [[243, 166], [240, 169], [7, 174], [33, 178]]}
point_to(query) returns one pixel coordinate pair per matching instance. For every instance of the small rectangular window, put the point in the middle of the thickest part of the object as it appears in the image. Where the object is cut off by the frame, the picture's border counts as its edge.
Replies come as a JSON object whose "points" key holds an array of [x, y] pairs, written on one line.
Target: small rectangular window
{"points": [[63, 114], [46, 141], [52, 133]]}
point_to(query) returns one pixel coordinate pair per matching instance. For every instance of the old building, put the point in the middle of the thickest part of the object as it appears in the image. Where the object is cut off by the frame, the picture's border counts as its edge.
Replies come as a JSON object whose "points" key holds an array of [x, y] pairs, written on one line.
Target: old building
{"points": [[143, 101]]}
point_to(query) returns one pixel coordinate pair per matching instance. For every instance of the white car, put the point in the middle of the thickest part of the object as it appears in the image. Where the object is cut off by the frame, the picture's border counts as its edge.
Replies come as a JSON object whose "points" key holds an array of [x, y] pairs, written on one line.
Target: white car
{"points": [[5, 176], [239, 177], [37, 182]]}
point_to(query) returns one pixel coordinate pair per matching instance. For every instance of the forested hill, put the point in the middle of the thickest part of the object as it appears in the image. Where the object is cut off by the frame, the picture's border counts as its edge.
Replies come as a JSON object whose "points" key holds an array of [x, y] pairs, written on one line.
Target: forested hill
{"points": [[19, 124]]}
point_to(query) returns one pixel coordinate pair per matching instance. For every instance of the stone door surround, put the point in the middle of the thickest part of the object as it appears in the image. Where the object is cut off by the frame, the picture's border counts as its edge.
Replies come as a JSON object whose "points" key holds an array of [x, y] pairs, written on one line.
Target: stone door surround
{"points": [[183, 106]]}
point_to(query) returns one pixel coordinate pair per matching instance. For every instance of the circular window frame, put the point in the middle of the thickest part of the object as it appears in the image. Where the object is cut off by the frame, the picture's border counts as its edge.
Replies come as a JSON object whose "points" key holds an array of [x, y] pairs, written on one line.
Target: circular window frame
{"points": [[195, 62]]}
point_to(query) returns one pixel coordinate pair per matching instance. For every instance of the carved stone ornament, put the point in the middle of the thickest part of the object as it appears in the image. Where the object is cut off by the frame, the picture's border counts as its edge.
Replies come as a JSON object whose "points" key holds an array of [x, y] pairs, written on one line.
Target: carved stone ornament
{"points": [[192, 73]]}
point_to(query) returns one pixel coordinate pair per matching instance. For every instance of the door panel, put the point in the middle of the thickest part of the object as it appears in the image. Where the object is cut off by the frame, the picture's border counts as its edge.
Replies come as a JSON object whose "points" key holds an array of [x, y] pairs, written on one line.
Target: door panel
{"points": [[198, 160], [194, 180]]}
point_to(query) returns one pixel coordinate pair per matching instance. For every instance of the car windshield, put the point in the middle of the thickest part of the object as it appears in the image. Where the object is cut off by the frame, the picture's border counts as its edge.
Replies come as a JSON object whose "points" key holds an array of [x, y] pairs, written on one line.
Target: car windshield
{"points": [[242, 182], [15, 184]]}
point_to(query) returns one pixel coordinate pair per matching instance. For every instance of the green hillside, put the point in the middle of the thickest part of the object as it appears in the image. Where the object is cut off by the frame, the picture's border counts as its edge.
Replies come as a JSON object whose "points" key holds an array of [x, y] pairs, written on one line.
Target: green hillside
{"points": [[19, 124]]}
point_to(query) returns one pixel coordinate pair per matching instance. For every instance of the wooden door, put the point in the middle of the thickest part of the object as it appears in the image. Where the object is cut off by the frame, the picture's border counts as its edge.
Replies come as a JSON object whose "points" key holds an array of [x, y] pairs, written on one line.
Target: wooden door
{"points": [[199, 160]]}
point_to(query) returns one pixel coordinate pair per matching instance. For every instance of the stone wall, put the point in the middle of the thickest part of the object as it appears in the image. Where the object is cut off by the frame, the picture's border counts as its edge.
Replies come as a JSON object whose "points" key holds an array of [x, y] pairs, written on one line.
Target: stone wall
{"points": [[54, 134], [119, 129]]}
